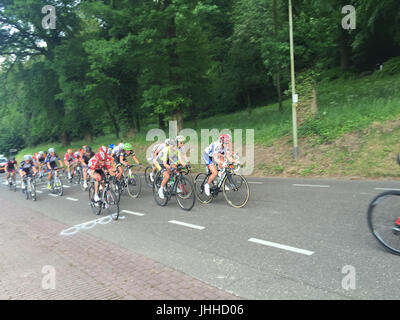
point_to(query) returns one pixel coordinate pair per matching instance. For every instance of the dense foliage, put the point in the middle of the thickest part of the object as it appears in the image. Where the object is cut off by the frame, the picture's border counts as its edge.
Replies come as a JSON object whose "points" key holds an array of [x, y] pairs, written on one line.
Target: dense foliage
{"points": [[122, 66]]}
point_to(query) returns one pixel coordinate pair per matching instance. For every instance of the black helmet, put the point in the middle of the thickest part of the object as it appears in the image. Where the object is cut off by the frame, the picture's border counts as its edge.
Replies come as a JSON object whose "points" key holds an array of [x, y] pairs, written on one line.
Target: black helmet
{"points": [[88, 149], [12, 158]]}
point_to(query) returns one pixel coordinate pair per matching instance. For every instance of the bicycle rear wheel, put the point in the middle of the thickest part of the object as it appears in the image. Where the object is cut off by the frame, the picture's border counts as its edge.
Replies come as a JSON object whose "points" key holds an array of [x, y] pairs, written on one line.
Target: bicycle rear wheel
{"points": [[200, 181], [33, 190], [185, 193], [384, 220], [236, 190], [133, 185]]}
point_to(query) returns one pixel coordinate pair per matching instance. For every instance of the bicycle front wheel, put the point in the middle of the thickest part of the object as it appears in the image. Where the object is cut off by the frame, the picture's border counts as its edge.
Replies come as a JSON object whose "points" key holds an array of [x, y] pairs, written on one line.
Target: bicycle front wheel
{"points": [[236, 190], [112, 203], [200, 181], [384, 220], [185, 193], [95, 206], [147, 172], [133, 185]]}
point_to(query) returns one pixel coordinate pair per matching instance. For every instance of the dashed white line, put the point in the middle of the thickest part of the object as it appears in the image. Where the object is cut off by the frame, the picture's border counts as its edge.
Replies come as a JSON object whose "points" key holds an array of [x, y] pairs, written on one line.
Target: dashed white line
{"points": [[53, 195], [255, 182], [387, 189], [38, 191], [189, 225], [281, 246], [72, 199], [134, 213], [311, 185]]}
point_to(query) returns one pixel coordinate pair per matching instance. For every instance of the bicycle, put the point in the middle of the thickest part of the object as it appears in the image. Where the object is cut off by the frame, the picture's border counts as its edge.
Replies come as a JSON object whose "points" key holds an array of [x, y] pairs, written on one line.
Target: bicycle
{"points": [[108, 198], [147, 173], [178, 179], [56, 183], [12, 182], [229, 183], [383, 218], [30, 188], [129, 181]]}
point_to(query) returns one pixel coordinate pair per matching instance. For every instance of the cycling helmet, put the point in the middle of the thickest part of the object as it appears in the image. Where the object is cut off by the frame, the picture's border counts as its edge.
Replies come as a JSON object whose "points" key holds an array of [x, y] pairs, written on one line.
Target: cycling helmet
{"points": [[127, 147], [77, 153], [224, 138], [27, 157], [69, 150], [83, 147], [88, 149], [111, 146], [41, 153], [51, 150], [121, 145], [103, 149], [12, 158], [180, 139], [172, 142], [167, 141]]}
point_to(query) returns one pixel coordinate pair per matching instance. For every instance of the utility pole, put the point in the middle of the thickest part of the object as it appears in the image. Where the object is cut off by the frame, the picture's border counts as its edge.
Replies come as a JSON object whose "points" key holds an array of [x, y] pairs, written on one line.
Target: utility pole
{"points": [[294, 95]]}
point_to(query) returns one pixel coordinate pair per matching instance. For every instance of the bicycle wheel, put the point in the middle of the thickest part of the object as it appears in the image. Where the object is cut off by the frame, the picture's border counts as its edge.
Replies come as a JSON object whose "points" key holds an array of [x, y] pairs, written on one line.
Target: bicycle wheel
{"points": [[200, 181], [111, 203], [27, 190], [14, 184], [147, 172], [156, 186], [59, 186], [95, 206], [133, 185], [185, 193], [384, 220], [33, 191], [236, 190]]}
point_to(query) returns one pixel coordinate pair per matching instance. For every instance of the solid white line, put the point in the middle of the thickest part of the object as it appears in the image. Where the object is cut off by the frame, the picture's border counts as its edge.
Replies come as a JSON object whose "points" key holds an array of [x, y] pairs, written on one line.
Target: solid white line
{"points": [[135, 213], [311, 185], [72, 199], [255, 182], [281, 246], [53, 195], [187, 224], [387, 189], [66, 186]]}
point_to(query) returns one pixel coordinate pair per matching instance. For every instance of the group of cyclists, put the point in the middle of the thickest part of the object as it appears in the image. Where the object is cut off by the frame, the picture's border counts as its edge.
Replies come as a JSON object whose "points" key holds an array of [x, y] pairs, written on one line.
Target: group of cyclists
{"points": [[112, 159]]}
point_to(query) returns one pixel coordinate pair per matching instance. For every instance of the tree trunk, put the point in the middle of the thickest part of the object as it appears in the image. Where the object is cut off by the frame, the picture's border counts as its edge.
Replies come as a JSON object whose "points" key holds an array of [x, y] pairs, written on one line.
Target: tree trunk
{"points": [[89, 137], [345, 50], [65, 139], [179, 116], [114, 121], [161, 123], [137, 118], [278, 89]]}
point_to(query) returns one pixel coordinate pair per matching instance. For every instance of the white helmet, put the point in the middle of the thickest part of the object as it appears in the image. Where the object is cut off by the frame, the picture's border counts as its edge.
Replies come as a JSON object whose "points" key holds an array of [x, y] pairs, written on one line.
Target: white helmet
{"points": [[51, 150], [167, 141], [27, 157], [180, 139]]}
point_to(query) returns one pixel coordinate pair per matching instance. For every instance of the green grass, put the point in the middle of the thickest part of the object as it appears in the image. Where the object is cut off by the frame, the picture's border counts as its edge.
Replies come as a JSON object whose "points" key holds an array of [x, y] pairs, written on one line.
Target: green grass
{"points": [[343, 106]]}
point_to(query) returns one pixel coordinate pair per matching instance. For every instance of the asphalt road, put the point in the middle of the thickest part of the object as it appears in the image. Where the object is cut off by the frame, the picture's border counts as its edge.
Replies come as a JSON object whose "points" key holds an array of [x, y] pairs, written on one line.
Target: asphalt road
{"points": [[295, 239]]}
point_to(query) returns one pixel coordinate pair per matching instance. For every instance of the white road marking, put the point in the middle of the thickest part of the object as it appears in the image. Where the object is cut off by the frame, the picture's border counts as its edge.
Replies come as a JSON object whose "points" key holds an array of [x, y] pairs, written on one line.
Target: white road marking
{"points": [[387, 189], [38, 191], [67, 186], [311, 185], [255, 182], [281, 246], [134, 213], [189, 225], [72, 199], [53, 195]]}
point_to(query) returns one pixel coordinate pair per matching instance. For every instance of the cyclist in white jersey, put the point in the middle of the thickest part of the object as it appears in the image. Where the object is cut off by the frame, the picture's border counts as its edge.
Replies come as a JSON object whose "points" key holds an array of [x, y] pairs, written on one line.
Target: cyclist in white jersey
{"points": [[154, 153], [215, 154]]}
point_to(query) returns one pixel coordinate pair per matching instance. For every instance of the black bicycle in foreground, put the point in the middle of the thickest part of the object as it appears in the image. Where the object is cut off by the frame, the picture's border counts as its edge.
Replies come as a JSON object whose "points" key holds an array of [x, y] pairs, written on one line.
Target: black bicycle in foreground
{"points": [[384, 218]]}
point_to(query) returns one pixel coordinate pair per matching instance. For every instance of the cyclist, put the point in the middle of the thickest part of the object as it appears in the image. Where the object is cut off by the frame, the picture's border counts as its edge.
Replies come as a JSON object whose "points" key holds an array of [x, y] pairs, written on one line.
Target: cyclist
{"points": [[41, 157], [11, 165], [111, 147], [84, 160], [154, 153], [214, 155], [167, 159], [120, 158], [51, 163], [27, 169], [69, 160], [98, 165]]}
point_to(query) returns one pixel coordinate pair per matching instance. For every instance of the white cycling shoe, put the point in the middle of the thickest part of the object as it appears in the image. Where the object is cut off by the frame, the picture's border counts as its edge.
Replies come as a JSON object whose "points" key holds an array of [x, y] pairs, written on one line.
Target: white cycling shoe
{"points": [[207, 189], [96, 198], [161, 193]]}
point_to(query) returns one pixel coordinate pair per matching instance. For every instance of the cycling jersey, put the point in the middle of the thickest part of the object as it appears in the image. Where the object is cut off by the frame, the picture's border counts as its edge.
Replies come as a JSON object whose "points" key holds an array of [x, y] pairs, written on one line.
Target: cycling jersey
{"points": [[86, 158], [94, 164], [123, 153], [27, 167], [215, 148], [11, 165], [52, 160], [166, 155], [69, 157]]}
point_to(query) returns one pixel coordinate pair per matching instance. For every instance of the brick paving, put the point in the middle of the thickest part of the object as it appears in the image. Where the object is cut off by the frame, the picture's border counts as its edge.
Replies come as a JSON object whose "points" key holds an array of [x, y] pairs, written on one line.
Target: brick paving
{"points": [[86, 267]]}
